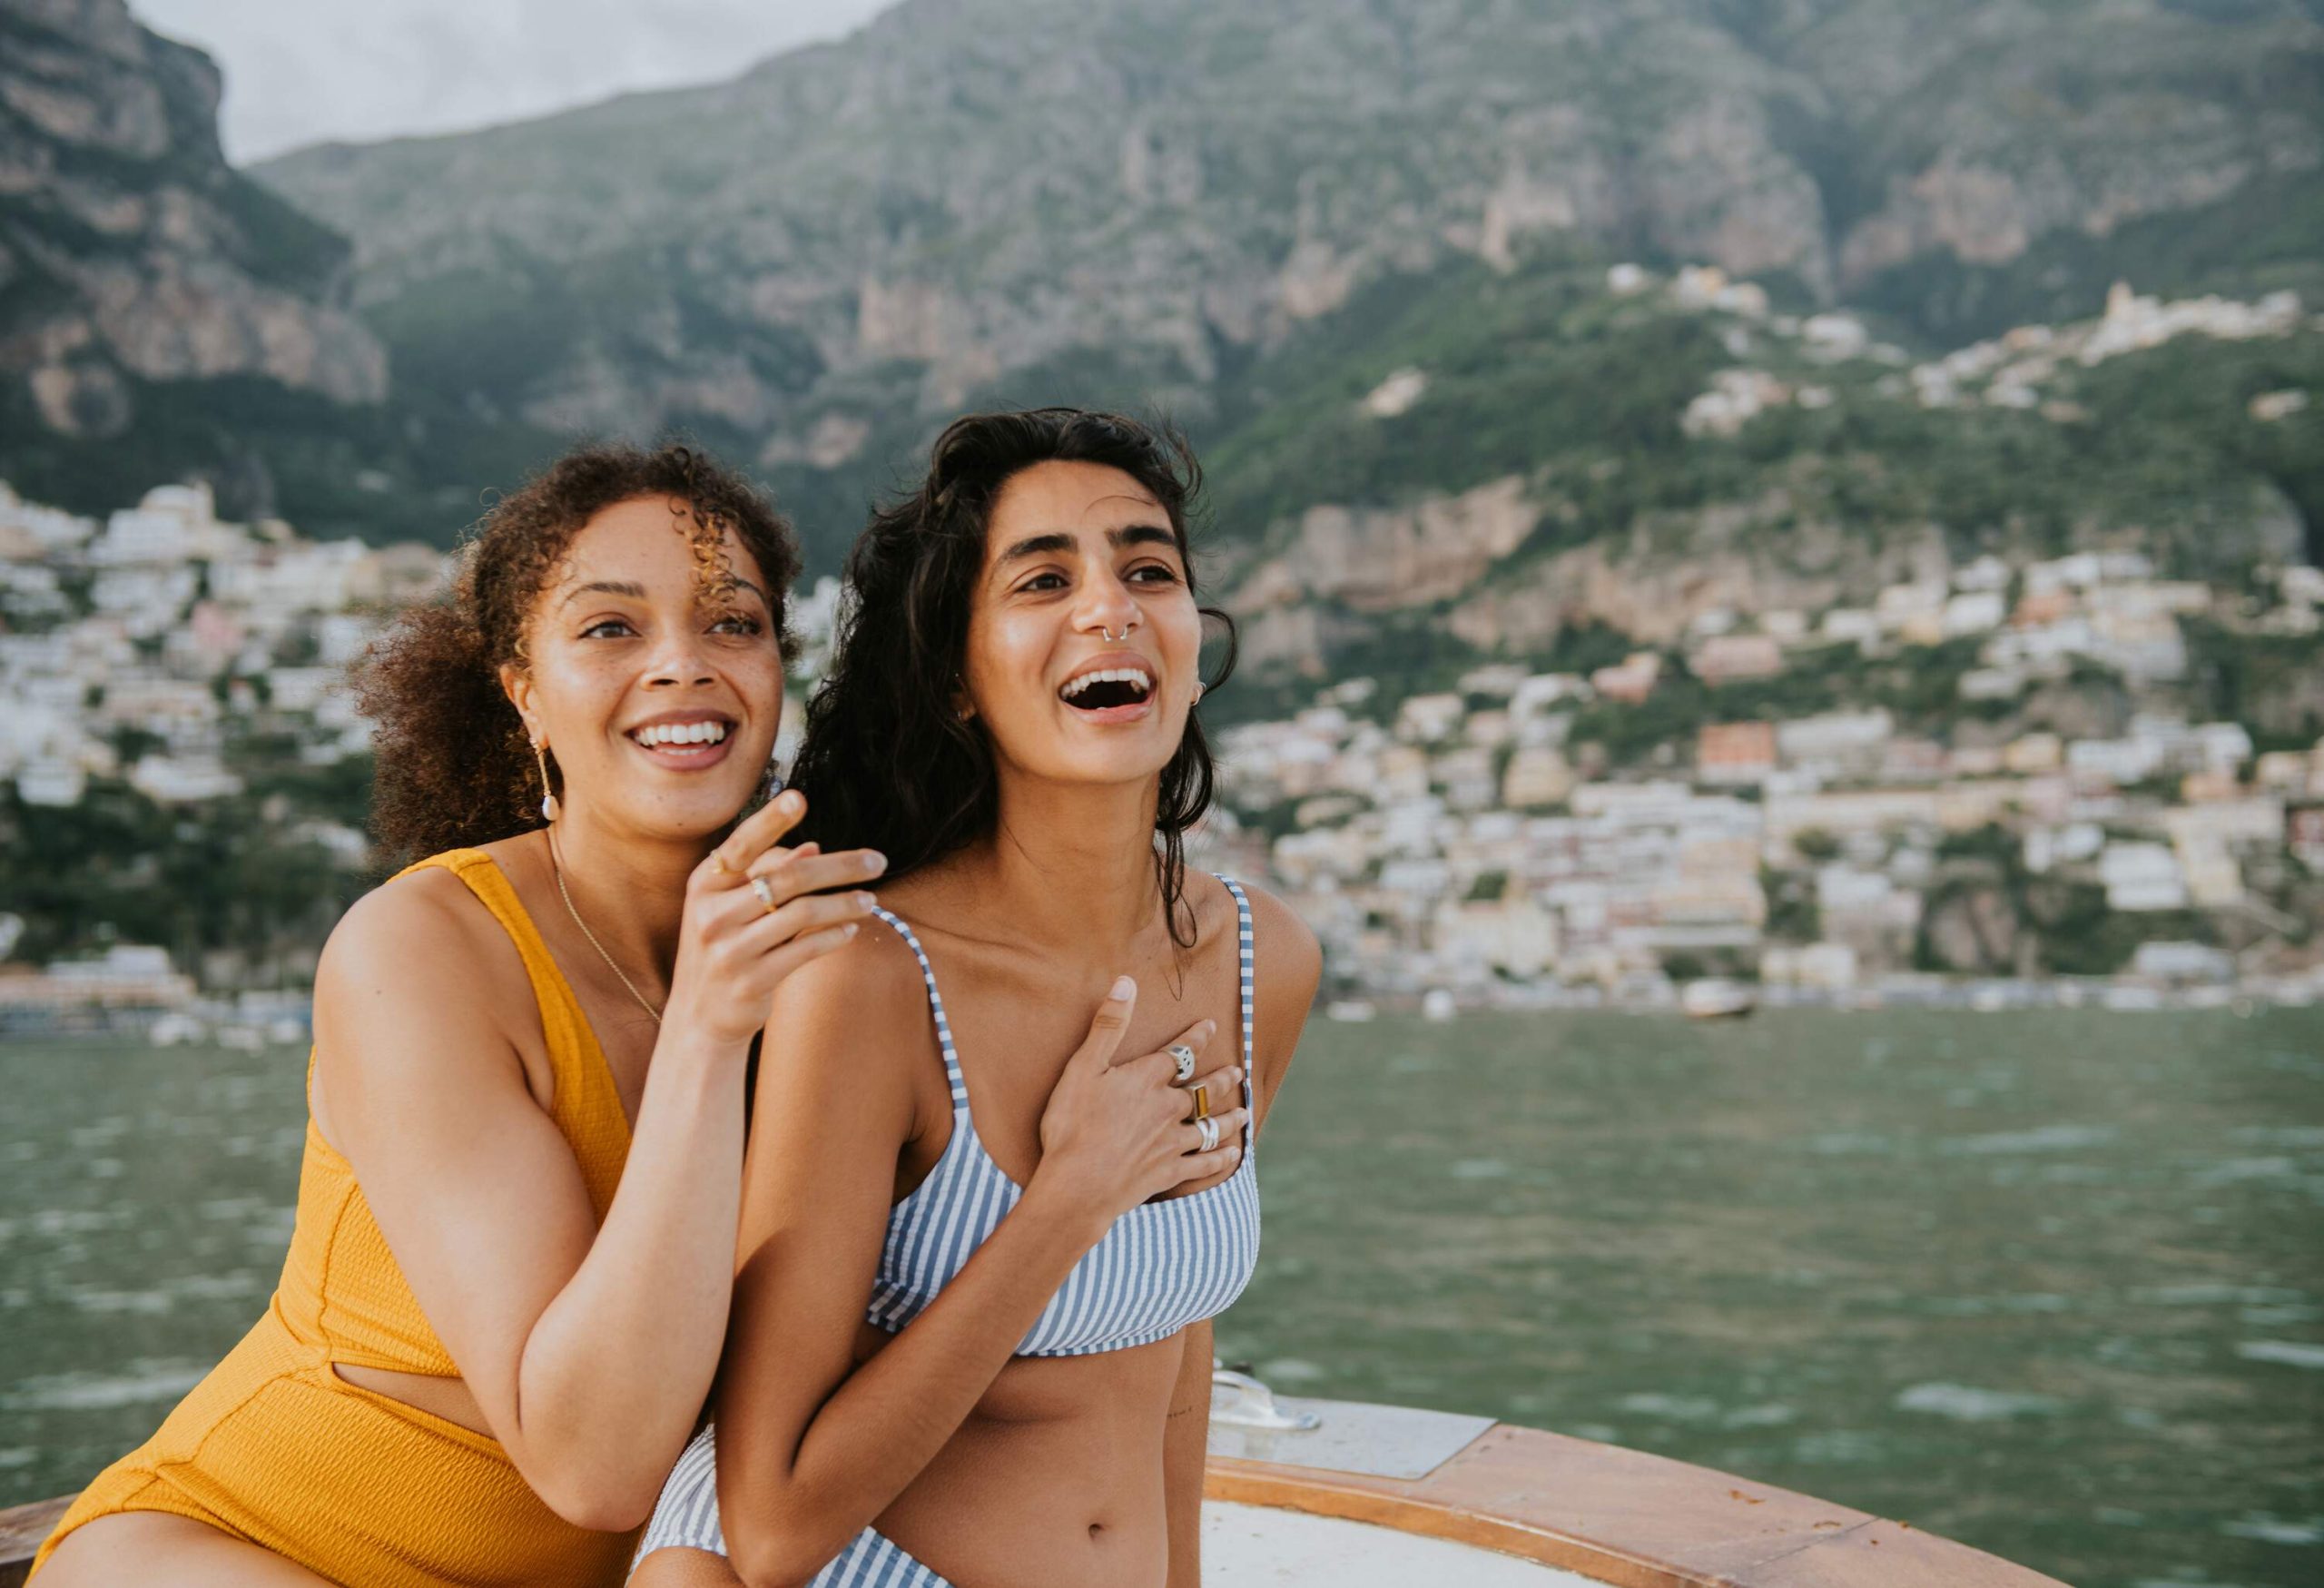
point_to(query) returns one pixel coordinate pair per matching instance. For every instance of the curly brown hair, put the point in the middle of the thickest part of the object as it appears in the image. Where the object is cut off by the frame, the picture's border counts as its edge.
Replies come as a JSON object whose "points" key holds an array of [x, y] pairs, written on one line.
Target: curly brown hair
{"points": [[453, 766]]}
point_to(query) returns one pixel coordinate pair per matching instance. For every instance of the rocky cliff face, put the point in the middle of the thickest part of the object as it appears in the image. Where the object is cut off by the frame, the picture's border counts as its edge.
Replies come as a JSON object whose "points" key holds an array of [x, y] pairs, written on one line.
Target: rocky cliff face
{"points": [[131, 256], [973, 192], [1251, 218]]}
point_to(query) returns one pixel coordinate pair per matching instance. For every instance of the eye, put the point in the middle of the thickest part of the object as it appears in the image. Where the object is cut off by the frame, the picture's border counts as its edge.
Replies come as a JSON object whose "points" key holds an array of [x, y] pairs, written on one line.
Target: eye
{"points": [[1043, 582], [1155, 573], [602, 628], [738, 622]]}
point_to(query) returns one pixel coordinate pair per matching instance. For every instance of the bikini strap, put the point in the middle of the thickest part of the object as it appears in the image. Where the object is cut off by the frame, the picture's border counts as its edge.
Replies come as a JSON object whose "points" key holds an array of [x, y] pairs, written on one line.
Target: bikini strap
{"points": [[1246, 957], [936, 1007]]}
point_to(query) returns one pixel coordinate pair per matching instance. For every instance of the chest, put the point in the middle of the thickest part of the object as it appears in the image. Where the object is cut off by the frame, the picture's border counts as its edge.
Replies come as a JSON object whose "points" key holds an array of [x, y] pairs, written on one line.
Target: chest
{"points": [[623, 1032], [1015, 1024]]}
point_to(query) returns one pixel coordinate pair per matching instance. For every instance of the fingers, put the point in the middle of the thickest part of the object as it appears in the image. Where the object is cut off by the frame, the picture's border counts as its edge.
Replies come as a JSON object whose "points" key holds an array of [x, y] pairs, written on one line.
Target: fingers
{"points": [[1218, 1086], [1112, 1020], [728, 861], [814, 945], [790, 872], [1230, 1131], [1195, 1036], [810, 913]]}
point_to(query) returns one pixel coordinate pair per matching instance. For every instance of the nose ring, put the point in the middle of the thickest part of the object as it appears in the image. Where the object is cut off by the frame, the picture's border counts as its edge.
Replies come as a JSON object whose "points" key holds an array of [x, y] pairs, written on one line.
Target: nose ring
{"points": [[1113, 638]]}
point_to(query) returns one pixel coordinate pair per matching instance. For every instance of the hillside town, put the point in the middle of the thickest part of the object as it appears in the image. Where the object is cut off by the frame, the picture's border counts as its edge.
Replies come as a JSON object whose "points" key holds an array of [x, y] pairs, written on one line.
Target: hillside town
{"points": [[2018, 370], [1462, 846], [1455, 847], [139, 650]]}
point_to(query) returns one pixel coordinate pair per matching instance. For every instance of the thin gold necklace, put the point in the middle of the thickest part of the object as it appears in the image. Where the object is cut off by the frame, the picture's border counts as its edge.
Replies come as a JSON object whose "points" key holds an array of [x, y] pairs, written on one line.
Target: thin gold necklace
{"points": [[557, 870]]}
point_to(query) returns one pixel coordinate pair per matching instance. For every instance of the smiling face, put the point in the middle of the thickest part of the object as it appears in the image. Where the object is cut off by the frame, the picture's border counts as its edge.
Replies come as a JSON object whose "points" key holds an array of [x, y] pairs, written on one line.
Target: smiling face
{"points": [[1073, 553], [657, 691]]}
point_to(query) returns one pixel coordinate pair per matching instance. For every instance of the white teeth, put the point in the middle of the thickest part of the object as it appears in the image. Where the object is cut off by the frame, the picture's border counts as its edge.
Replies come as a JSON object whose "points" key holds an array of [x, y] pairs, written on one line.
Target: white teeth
{"points": [[1137, 676], [705, 732]]}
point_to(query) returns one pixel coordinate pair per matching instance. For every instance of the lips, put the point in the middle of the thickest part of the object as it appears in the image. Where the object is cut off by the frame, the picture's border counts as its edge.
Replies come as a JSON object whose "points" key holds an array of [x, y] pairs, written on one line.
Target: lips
{"points": [[684, 740]]}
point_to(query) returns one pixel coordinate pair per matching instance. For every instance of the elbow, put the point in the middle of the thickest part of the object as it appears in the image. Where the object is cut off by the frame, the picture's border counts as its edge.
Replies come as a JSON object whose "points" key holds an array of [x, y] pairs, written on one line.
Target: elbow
{"points": [[600, 1505], [771, 1566], [765, 1553]]}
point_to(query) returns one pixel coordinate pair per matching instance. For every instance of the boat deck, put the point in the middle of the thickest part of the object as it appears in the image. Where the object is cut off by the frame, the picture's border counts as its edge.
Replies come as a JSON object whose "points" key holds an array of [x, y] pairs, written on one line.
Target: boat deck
{"points": [[1390, 1497], [1589, 1512]]}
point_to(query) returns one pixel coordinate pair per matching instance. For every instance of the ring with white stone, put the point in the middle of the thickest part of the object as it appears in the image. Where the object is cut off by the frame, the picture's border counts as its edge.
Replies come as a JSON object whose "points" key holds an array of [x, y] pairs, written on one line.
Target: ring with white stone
{"points": [[1209, 1128], [1184, 1058]]}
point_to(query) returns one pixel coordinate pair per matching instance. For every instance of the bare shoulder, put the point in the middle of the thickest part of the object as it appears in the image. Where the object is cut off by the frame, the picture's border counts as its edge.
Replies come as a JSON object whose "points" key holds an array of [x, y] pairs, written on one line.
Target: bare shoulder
{"points": [[859, 1013], [1288, 964], [424, 934], [1289, 960]]}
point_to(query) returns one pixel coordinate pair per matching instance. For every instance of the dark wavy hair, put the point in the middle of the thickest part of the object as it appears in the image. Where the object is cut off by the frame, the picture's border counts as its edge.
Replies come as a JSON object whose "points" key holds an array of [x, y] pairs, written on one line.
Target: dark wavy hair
{"points": [[453, 766], [887, 762]]}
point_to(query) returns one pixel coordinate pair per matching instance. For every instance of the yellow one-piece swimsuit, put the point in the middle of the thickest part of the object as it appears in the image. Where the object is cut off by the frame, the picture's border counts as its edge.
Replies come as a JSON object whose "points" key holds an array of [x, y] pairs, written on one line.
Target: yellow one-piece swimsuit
{"points": [[275, 1447]]}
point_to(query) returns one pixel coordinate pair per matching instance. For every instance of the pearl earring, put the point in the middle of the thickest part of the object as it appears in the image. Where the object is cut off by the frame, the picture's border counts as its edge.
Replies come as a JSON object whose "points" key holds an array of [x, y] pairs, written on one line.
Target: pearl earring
{"points": [[549, 797]]}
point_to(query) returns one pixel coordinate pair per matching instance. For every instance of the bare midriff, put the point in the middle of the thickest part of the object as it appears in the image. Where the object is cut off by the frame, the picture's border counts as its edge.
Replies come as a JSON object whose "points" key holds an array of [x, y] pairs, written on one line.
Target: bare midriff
{"points": [[449, 1398], [1056, 1477]]}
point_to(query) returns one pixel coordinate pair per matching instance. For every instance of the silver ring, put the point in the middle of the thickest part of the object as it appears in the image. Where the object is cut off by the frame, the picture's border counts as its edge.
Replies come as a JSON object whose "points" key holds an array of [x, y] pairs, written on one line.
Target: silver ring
{"points": [[1184, 1056], [1111, 637], [765, 892], [1209, 1128]]}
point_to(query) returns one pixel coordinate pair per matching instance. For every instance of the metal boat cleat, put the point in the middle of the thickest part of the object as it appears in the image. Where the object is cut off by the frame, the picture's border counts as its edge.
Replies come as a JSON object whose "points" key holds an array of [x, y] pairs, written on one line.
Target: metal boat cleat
{"points": [[1241, 1401]]}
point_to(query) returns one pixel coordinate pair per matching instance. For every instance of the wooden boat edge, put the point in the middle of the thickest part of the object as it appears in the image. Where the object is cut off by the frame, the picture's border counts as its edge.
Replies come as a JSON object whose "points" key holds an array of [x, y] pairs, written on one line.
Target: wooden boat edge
{"points": [[21, 1528], [1626, 1518], [1618, 1516]]}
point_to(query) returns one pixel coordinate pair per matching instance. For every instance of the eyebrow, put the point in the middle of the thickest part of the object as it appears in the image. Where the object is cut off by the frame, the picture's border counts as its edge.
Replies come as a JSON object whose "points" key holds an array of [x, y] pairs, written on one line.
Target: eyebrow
{"points": [[608, 587], [637, 592], [1057, 541]]}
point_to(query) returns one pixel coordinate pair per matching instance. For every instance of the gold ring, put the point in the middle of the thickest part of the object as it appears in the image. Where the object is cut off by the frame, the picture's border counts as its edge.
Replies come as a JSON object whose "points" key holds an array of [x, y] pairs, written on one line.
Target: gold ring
{"points": [[765, 892], [1201, 1091]]}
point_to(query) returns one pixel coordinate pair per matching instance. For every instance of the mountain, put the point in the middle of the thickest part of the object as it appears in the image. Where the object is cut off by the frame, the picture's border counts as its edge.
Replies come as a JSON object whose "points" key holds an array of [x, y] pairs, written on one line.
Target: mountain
{"points": [[1361, 249], [143, 282]]}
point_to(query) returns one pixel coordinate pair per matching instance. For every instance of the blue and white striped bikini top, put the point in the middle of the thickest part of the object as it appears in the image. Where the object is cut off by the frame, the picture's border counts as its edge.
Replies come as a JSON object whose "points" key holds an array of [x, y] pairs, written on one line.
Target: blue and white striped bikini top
{"points": [[1162, 1265]]}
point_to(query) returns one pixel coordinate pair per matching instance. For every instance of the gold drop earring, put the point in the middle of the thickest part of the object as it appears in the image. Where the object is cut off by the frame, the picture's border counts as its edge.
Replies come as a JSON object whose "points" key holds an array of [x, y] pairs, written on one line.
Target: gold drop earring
{"points": [[548, 796]]}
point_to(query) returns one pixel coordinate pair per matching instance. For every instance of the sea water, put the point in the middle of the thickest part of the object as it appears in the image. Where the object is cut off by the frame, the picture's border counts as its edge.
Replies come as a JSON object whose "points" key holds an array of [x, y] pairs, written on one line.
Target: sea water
{"points": [[2049, 1283]]}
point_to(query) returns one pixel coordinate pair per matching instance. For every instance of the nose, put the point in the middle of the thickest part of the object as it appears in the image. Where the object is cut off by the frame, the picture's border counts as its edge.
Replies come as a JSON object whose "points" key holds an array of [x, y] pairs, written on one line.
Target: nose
{"points": [[677, 662], [1107, 605]]}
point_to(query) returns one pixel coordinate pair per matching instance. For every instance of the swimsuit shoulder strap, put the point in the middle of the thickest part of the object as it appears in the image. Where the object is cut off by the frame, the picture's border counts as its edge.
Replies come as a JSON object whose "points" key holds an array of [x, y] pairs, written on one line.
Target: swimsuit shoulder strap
{"points": [[1246, 958], [935, 1008]]}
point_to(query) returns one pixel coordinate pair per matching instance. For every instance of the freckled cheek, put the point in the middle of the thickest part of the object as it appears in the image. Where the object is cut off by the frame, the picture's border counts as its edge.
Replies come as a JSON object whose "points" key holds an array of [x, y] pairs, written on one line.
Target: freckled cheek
{"points": [[580, 688]]}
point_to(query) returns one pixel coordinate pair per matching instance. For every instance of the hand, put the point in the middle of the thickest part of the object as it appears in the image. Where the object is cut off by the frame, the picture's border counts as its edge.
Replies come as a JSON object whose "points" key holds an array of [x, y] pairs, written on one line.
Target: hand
{"points": [[733, 949], [1116, 1133]]}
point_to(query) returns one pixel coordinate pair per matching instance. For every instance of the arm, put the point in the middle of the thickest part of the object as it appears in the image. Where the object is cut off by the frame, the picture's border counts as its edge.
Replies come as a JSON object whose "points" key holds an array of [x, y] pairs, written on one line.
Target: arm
{"points": [[588, 1350], [813, 1447], [1290, 966], [1185, 1441]]}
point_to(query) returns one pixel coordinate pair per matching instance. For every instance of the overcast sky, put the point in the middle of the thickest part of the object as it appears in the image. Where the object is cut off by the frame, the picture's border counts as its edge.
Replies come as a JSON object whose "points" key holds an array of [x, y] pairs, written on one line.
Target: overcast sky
{"points": [[304, 71]]}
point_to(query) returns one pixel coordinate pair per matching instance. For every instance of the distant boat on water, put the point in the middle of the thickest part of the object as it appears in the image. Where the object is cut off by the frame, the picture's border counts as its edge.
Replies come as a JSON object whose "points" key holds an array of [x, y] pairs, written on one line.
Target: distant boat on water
{"points": [[1715, 997]]}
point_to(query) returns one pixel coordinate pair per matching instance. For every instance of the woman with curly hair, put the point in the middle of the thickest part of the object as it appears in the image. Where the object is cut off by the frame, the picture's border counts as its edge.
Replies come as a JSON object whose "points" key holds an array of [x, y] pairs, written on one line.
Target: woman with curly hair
{"points": [[1009, 719], [510, 1270]]}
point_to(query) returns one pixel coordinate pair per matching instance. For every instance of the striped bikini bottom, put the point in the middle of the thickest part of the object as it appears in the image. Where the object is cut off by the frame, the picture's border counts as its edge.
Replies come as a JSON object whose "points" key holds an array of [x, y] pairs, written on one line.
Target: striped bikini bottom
{"points": [[686, 1517]]}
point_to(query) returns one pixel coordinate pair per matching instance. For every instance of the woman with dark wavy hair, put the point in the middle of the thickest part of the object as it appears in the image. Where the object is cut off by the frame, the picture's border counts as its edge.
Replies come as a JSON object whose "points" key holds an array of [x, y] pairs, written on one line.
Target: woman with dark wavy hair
{"points": [[1009, 719], [510, 1274]]}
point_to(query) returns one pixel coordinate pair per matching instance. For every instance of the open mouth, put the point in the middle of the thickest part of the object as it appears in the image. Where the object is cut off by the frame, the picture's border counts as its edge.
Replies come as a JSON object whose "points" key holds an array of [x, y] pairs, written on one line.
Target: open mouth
{"points": [[685, 742], [1108, 689]]}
